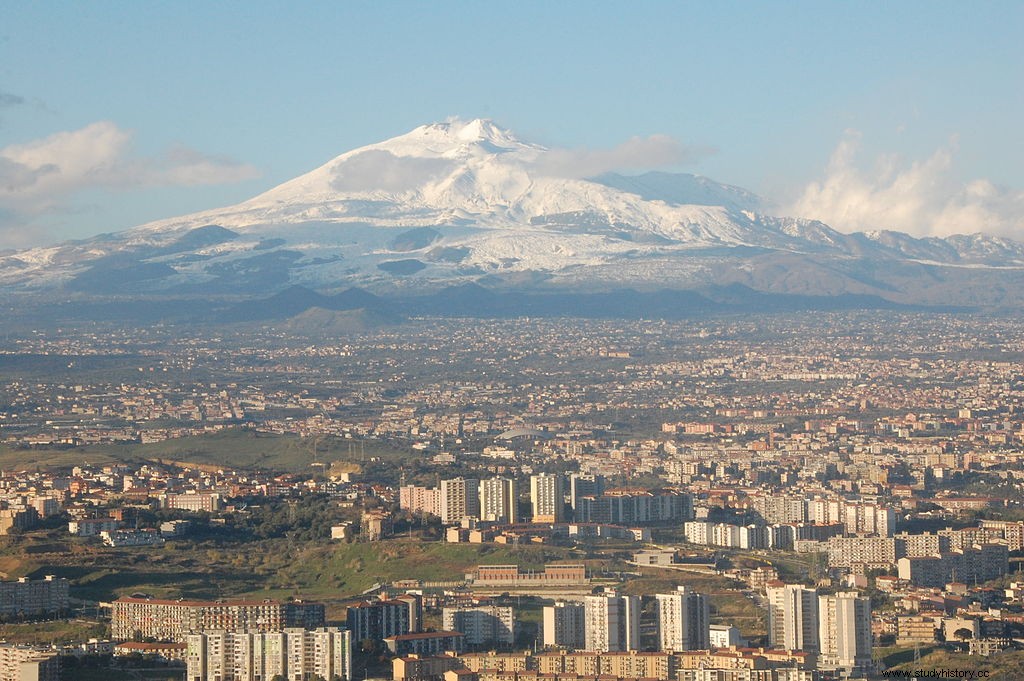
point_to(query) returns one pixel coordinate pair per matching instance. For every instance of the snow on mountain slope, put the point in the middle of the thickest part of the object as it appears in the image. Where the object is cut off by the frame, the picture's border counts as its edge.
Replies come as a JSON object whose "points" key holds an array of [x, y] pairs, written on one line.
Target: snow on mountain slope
{"points": [[683, 189], [457, 201], [455, 173]]}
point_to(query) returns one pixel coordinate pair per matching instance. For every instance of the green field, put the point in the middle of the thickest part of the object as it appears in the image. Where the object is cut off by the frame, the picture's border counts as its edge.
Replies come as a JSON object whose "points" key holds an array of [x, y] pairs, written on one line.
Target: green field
{"points": [[57, 631], [17, 459], [268, 568], [229, 448], [1004, 666]]}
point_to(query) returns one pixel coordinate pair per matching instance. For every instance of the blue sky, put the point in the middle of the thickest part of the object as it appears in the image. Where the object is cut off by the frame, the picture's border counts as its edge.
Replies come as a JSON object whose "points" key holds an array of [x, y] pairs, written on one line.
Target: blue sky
{"points": [[903, 115]]}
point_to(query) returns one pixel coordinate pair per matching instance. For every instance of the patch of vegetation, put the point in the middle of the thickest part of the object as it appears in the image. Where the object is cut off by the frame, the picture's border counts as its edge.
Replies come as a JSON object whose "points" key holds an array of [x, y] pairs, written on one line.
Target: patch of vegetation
{"points": [[33, 458], [56, 631], [276, 552], [1005, 665], [741, 612], [229, 448]]}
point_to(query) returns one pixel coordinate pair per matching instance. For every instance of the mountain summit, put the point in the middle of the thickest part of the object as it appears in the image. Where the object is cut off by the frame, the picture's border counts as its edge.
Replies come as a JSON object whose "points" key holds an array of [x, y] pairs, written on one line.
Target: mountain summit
{"points": [[468, 202]]}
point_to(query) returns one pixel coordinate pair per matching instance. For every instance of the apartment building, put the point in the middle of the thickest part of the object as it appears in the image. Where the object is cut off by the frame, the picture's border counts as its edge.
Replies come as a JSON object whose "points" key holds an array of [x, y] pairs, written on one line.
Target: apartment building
{"points": [[683, 620], [612, 622], [844, 632], [792, 617], [192, 501], [457, 499], [978, 563], [499, 500], [293, 653], [171, 620], [565, 625], [547, 497], [33, 598], [482, 625], [378, 619], [28, 663], [420, 500], [880, 552]]}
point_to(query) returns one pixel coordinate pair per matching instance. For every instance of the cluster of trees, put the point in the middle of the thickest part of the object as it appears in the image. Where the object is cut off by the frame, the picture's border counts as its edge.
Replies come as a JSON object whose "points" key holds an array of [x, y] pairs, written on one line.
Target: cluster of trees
{"points": [[308, 518]]}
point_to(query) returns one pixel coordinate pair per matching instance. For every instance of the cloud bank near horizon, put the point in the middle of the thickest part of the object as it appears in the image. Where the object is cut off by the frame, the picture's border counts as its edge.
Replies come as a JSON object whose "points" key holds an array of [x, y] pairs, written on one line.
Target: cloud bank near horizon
{"points": [[42, 178], [920, 197]]}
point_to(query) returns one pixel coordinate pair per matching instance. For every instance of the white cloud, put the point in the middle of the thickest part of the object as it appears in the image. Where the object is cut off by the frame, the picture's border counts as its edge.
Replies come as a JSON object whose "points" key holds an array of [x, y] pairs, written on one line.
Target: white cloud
{"points": [[380, 170], [922, 197], [377, 169], [43, 176], [636, 153]]}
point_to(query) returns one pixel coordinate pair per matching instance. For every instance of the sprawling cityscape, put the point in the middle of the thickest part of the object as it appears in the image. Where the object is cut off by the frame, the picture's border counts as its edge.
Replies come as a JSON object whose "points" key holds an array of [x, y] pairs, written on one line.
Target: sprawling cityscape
{"points": [[791, 497], [511, 341]]}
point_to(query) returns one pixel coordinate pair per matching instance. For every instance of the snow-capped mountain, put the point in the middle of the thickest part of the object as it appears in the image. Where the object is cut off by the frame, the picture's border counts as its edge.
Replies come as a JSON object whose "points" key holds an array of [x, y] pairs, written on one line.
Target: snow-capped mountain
{"points": [[458, 202]]}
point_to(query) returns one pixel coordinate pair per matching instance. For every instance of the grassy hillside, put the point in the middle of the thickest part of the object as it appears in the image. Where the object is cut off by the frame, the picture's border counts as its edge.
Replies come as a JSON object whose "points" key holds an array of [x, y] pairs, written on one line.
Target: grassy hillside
{"points": [[232, 448], [1004, 666], [275, 568], [16, 459]]}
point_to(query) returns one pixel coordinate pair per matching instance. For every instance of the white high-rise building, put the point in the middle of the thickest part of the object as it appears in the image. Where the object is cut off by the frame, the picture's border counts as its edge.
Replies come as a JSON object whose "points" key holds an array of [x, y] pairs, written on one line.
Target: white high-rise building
{"points": [[458, 499], [844, 631], [793, 617], [612, 622], [250, 656], [684, 620], [565, 625], [498, 500], [547, 496]]}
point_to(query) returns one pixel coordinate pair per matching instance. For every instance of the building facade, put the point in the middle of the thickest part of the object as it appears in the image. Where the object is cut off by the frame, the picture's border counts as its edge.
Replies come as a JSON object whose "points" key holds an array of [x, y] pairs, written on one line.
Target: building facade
{"points": [[249, 656], [792, 617], [612, 622], [498, 500], [28, 663], [377, 620], [547, 497], [172, 620], [45, 597], [565, 625], [684, 620], [482, 625], [457, 499], [844, 632]]}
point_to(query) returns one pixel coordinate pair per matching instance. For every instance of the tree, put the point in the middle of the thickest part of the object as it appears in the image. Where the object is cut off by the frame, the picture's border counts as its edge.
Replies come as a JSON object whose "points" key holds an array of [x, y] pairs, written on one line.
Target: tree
{"points": [[963, 634]]}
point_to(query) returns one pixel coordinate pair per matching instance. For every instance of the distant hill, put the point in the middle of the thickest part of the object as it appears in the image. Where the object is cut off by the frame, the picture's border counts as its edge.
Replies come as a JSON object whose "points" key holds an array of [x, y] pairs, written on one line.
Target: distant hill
{"points": [[316, 321]]}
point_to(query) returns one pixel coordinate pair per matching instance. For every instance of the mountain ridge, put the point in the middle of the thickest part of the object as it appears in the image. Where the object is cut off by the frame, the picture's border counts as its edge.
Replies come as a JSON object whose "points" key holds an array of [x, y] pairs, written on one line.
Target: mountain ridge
{"points": [[469, 202]]}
